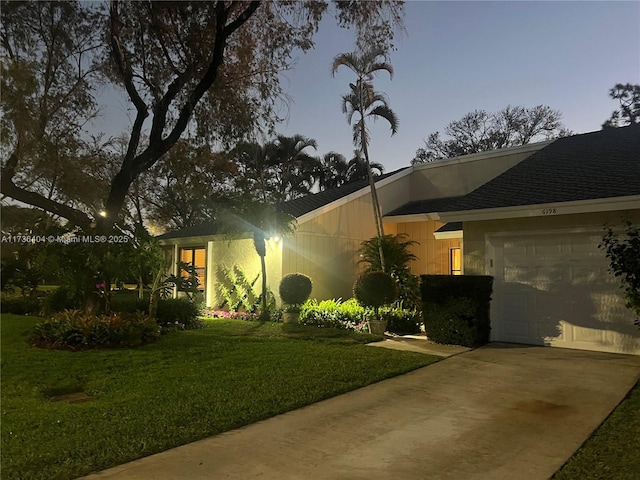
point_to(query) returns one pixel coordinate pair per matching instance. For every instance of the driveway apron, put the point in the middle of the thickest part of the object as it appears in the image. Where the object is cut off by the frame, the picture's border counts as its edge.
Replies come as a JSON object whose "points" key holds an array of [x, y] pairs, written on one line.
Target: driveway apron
{"points": [[499, 412]]}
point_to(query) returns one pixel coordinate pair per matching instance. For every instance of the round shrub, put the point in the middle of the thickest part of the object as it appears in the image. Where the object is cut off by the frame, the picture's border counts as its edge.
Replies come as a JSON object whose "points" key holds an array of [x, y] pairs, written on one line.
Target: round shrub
{"points": [[178, 314], [375, 289], [295, 288]]}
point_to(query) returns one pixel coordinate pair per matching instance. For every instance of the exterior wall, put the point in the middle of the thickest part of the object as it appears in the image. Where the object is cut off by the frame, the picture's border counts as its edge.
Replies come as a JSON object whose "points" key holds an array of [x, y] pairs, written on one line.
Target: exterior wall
{"points": [[433, 254], [325, 247], [475, 232], [462, 175], [228, 253]]}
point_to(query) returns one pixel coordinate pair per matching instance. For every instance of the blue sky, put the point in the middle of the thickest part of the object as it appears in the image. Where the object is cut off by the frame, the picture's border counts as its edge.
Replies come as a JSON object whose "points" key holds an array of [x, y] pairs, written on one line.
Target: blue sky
{"points": [[456, 57]]}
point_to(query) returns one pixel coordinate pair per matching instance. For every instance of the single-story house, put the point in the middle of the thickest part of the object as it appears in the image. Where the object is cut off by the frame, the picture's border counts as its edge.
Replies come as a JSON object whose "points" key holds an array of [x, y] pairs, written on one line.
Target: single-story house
{"points": [[531, 216]]}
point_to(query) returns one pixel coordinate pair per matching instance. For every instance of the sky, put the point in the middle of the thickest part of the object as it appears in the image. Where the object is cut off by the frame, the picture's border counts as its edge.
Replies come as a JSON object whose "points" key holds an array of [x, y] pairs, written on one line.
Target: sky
{"points": [[456, 57]]}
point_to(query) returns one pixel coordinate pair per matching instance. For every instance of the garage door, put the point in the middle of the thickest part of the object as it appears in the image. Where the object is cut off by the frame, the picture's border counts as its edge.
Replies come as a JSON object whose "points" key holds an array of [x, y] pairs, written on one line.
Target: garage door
{"points": [[555, 289]]}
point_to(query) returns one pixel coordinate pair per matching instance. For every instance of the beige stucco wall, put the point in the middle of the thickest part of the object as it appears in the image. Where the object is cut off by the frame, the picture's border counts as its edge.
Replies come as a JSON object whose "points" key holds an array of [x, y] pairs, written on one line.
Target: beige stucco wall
{"points": [[221, 251], [475, 232], [459, 176]]}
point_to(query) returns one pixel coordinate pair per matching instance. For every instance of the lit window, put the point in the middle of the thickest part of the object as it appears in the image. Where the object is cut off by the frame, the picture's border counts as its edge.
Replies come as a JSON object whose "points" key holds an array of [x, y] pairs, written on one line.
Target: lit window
{"points": [[455, 261], [196, 257]]}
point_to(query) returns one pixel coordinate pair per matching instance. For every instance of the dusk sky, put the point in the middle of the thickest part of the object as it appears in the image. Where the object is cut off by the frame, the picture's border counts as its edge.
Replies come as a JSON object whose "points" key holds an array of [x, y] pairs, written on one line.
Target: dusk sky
{"points": [[456, 57]]}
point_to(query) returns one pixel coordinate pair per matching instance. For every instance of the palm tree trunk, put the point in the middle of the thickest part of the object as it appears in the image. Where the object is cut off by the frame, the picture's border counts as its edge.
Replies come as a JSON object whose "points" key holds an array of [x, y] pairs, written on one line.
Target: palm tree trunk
{"points": [[377, 214], [263, 265]]}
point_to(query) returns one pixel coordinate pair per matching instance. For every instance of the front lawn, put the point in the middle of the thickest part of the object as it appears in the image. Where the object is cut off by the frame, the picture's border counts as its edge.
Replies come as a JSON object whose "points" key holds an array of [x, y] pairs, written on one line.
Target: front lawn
{"points": [[188, 386], [613, 451]]}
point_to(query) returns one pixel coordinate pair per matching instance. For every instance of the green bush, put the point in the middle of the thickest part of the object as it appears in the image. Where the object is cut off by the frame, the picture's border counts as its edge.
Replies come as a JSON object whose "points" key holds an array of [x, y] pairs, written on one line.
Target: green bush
{"points": [[62, 298], [347, 315], [128, 302], [295, 288], [178, 314], [21, 304], [375, 289], [400, 321], [75, 330], [456, 308]]}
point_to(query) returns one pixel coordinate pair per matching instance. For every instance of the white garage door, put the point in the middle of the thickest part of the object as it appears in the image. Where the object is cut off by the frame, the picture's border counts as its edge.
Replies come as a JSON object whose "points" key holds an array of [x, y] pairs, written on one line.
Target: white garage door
{"points": [[555, 289]]}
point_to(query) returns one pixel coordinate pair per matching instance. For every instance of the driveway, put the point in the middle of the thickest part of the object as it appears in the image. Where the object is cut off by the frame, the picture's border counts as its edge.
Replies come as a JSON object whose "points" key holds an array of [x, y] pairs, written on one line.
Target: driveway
{"points": [[500, 412]]}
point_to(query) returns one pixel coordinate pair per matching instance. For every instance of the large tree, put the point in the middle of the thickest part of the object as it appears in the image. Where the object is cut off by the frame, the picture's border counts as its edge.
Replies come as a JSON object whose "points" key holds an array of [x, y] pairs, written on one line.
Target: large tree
{"points": [[480, 131], [363, 102], [628, 96], [212, 67]]}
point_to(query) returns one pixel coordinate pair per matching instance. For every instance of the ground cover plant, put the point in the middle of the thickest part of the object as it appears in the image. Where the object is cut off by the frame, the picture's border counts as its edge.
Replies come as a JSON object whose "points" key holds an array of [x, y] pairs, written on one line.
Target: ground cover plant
{"points": [[612, 451], [187, 386]]}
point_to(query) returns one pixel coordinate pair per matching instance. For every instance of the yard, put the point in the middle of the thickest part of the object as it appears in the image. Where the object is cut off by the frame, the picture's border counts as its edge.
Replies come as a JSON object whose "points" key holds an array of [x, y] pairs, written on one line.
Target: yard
{"points": [[188, 386]]}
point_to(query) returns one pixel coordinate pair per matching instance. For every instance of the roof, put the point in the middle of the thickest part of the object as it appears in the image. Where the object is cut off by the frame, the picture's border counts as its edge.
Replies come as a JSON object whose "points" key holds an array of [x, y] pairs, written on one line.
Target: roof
{"points": [[300, 206], [205, 229], [590, 166], [296, 207], [450, 227]]}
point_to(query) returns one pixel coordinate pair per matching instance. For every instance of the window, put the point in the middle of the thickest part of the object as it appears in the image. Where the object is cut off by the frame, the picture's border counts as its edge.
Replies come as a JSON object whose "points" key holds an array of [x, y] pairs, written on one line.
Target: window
{"points": [[196, 257], [455, 261]]}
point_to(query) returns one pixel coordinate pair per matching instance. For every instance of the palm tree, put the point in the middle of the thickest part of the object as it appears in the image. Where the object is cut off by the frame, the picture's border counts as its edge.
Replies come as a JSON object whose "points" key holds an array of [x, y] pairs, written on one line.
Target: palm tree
{"points": [[357, 168], [296, 170], [333, 171], [364, 101], [263, 221]]}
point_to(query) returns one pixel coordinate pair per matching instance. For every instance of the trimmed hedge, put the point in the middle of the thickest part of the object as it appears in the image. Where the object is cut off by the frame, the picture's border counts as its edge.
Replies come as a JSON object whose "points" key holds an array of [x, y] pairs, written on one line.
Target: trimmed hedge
{"points": [[455, 308]]}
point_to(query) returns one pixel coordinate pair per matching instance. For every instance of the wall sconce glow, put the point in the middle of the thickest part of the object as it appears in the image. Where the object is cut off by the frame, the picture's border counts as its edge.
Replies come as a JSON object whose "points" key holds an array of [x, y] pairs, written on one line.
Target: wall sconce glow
{"points": [[276, 238], [103, 213]]}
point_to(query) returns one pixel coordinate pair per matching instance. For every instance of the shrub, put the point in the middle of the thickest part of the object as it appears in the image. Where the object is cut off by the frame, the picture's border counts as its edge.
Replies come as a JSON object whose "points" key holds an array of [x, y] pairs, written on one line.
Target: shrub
{"points": [[400, 321], [62, 298], [456, 308], [178, 314], [375, 289], [21, 304], [347, 315], [75, 330], [295, 288]]}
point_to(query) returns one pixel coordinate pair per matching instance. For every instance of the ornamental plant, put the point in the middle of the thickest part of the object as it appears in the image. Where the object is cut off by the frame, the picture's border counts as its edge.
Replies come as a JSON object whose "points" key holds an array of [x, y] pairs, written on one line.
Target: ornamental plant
{"points": [[375, 289], [295, 288]]}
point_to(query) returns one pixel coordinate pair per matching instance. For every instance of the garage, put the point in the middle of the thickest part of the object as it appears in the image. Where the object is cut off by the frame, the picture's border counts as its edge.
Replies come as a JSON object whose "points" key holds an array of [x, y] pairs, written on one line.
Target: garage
{"points": [[554, 288]]}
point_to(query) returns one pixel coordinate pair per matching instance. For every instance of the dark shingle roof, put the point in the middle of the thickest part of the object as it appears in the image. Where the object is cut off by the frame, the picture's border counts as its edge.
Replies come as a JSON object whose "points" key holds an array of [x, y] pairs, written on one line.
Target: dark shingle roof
{"points": [[595, 165], [450, 227], [424, 206], [194, 231], [300, 206]]}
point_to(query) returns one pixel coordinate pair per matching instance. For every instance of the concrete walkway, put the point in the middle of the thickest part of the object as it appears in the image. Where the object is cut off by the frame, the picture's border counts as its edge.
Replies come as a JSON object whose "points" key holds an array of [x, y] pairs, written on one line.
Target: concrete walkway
{"points": [[498, 412], [420, 344]]}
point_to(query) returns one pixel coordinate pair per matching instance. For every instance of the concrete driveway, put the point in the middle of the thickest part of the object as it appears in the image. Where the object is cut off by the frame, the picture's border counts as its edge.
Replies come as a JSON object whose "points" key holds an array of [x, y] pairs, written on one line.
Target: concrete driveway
{"points": [[499, 412]]}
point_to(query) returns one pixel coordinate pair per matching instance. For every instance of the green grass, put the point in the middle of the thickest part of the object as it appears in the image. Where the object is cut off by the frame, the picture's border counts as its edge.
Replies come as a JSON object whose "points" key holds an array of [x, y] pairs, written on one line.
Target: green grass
{"points": [[613, 451], [188, 386]]}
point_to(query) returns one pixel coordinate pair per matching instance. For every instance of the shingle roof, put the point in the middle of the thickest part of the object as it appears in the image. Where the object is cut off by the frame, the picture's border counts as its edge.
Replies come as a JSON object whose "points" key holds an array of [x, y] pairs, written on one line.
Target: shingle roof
{"points": [[300, 206], [296, 207], [450, 227], [205, 229], [595, 165], [423, 206]]}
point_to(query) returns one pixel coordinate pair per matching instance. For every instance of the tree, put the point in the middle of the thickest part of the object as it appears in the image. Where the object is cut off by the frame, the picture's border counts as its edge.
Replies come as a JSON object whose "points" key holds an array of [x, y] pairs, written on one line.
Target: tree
{"points": [[333, 171], [629, 113], [479, 131], [357, 168], [294, 170], [365, 102], [187, 187], [212, 67], [623, 252]]}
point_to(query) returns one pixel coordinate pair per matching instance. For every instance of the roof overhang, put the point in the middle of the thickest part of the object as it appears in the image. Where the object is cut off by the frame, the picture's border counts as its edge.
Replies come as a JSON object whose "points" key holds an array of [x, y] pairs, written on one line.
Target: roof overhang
{"points": [[352, 196], [631, 202]]}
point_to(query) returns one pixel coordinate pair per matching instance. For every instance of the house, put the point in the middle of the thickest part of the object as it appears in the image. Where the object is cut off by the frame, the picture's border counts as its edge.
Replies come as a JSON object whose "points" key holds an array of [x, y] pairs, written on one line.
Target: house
{"points": [[531, 216]]}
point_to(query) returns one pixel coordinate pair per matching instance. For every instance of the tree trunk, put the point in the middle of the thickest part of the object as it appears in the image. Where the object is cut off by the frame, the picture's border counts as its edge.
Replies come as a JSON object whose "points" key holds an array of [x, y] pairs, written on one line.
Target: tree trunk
{"points": [[263, 264]]}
